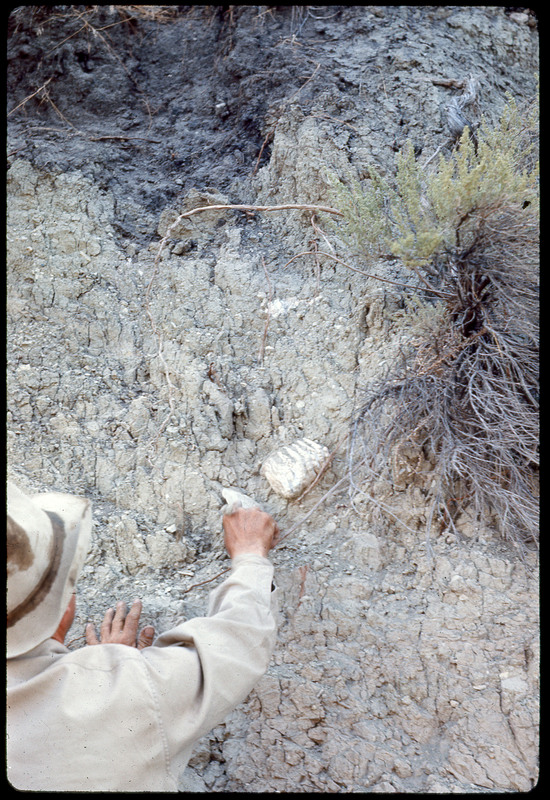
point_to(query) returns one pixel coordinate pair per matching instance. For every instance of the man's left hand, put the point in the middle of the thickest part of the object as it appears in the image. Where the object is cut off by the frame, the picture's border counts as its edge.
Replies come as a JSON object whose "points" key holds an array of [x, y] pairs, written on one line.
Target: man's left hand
{"points": [[121, 628]]}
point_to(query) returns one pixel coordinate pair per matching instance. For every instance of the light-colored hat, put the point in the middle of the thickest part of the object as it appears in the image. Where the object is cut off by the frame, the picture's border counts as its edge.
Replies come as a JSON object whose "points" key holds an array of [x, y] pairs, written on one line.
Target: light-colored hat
{"points": [[48, 536]]}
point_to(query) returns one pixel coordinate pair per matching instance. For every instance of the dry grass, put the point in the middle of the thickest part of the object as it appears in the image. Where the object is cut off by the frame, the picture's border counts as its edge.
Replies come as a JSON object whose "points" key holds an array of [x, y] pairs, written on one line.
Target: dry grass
{"points": [[466, 392], [150, 13], [458, 415]]}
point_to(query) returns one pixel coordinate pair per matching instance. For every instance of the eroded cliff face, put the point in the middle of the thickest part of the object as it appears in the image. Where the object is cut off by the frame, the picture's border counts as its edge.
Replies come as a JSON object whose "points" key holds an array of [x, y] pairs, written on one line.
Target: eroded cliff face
{"points": [[149, 384]]}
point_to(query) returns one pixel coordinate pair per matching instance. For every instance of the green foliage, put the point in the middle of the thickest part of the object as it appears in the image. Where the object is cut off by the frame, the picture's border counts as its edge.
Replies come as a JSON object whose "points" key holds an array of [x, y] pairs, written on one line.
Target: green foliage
{"points": [[465, 391], [424, 317], [365, 213], [417, 214]]}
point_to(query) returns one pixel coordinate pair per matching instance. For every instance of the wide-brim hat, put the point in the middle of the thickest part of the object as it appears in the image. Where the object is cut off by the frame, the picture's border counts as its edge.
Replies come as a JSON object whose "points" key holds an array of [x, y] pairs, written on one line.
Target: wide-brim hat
{"points": [[48, 536]]}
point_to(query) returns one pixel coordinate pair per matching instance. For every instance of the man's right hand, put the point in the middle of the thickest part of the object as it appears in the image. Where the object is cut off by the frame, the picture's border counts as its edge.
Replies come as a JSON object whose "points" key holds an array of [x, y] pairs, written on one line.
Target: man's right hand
{"points": [[249, 531]]}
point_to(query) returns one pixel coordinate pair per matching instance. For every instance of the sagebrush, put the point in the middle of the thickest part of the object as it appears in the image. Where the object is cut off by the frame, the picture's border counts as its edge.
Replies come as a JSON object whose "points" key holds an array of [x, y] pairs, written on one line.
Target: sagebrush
{"points": [[465, 391]]}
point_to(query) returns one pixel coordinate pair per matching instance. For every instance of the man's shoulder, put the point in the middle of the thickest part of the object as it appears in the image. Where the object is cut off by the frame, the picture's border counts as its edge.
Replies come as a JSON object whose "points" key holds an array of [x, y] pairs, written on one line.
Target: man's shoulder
{"points": [[101, 656], [50, 657]]}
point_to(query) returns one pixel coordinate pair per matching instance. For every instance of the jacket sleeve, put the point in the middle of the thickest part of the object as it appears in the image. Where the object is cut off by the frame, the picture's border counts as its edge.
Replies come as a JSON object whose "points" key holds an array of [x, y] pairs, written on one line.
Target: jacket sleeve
{"points": [[202, 669]]}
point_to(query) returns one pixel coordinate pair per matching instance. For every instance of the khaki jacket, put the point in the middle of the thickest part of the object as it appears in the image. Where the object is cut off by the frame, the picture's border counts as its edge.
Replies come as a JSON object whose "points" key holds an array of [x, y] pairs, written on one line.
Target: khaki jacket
{"points": [[113, 718]]}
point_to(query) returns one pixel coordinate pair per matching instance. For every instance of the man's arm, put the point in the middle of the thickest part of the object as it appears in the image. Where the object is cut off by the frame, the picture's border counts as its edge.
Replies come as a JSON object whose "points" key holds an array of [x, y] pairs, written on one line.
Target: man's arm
{"points": [[251, 532], [203, 668]]}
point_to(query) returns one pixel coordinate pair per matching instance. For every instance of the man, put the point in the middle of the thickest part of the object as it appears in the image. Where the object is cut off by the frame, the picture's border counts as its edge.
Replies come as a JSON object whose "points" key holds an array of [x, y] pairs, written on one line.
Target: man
{"points": [[113, 716]]}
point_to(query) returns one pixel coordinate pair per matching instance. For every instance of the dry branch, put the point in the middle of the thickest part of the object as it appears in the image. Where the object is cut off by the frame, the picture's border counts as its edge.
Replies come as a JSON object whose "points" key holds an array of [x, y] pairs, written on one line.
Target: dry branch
{"points": [[268, 317], [30, 96], [284, 207]]}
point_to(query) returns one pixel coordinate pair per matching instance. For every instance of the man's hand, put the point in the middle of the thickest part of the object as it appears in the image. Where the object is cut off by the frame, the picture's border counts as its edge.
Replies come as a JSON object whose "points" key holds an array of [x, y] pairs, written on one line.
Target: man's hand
{"points": [[121, 628], [249, 531]]}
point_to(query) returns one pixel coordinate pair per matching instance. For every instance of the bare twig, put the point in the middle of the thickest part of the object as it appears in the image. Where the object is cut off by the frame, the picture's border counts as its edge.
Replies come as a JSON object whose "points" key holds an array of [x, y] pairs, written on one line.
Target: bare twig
{"points": [[269, 135], [324, 466], [431, 158], [17, 150], [62, 116], [209, 580], [30, 96], [66, 39], [321, 233], [328, 494], [270, 297], [335, 119], [449, 83], [123, 139], [283, 207], [437, 292]]}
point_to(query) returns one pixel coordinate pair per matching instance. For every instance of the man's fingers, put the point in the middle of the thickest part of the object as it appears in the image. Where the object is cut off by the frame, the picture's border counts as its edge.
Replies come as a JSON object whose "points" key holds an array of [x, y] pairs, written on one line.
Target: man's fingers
{"points": [[146, 637], [231, 508], [105, 627], [120, 614], [121, 628], [132, 620]]}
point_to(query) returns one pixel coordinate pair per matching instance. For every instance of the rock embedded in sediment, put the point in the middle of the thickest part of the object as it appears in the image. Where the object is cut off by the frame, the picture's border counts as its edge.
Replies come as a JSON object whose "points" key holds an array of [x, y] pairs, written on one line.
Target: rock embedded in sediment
{"points": [[290, 469]]}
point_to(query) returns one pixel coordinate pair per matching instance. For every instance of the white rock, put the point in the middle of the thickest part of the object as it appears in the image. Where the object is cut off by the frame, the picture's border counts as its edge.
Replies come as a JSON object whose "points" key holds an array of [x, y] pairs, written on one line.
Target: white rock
{"points": [[291, 468], [233, 497], [514, 684]]}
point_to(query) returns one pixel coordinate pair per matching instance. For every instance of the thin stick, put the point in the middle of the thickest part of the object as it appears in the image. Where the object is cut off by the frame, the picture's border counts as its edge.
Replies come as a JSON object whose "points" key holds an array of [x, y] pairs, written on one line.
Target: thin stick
{"points": [[324, 466], [362, 272], [22, 103], [297, 92], [320, 232], [63, 117], [335, 119], [284, 207], [264, 337], [317, 504], [123, 139], [209, 580], [67, 37], [441, 146], [268, 136]]}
